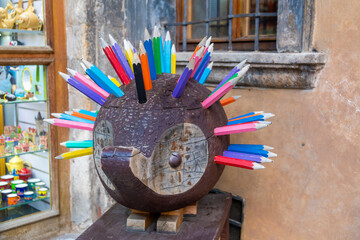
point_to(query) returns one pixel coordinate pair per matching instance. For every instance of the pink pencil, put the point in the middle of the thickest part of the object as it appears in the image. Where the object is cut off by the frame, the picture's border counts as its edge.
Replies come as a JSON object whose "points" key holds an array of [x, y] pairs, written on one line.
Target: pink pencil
{"points": [[198, 57], [87, 82], [70, 124], [224, 89], [239, 128]]}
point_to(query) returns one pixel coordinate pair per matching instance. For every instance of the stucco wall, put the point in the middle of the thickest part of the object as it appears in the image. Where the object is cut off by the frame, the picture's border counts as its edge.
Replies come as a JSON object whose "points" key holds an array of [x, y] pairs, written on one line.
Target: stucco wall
{"points": [[311, 190]]}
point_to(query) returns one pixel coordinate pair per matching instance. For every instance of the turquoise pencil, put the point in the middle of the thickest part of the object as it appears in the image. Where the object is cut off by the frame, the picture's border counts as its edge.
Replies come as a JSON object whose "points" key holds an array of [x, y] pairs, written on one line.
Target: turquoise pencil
{"points": [[206, 73], [167, 53], [78, 144]]}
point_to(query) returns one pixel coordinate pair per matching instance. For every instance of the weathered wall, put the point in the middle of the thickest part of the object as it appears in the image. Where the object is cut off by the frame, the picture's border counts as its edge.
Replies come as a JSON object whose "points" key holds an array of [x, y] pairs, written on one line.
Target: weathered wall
{"points": [[311, 190]]}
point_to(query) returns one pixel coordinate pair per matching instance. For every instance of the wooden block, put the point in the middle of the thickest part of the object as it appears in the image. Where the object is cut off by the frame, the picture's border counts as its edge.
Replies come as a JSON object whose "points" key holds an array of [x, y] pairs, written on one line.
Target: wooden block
{"points": [[138, 221], [170, 222], [191, 210]]}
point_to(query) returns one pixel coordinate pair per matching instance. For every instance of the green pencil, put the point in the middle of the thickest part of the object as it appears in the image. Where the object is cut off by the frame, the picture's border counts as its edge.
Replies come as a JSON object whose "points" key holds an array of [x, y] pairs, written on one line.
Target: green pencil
{"points": [[77, 144], [233, 76], [157, 53]]}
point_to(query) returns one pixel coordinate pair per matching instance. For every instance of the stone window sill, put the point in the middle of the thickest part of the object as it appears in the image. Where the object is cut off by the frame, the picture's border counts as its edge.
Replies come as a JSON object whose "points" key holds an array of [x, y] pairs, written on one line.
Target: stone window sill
{"points": [[268, 70]]}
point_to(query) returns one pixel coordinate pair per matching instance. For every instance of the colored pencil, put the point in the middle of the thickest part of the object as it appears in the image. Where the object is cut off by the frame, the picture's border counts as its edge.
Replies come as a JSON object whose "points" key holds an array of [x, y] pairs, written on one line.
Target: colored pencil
{"points": [[83, 89], [207, 44], [157, 50], [206, 73], [145, 66], [76, 153], [237, 163], [71, 118], [114, 62], [239, 128], [87, 82], [201, 44], [131, 47], [198, 57], [120, 56], [114, 80], [78, 144], [150, 54], [90, 113], [260, 117], [265, 153], [183, 79], [252, 146], [247, 157], [95, 78], [104, 79], [222, 90], [229, 100], [236, 69], [81, 115], [140, 88], [248, 114], [70, 124], [167, 53], [203, 64], [129, 54], [173, 59]]}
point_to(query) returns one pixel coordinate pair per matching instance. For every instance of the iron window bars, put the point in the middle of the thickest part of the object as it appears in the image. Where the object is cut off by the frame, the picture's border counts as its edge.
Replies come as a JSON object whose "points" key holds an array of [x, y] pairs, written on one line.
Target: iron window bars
{"points": [[229, 17]]}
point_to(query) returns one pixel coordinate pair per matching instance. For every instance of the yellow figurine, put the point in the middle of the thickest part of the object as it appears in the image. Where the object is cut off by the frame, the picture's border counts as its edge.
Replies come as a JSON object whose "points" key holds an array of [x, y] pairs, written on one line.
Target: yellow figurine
{"points": [[7, 20], [28, 20]]}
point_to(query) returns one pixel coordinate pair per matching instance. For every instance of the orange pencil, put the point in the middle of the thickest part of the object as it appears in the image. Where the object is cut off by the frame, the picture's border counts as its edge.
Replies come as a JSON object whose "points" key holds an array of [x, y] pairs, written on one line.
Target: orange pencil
{"points": [[252, 114], [145, 66], [80, 115], [201, 44], [229, 100]]}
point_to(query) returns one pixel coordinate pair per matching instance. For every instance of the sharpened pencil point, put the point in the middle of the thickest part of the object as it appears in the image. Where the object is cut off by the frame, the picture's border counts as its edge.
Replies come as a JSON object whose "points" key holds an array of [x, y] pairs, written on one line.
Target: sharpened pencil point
{"points": [[211, 49], [69, 112], [49, 120], [210, 65], [208, 41], [103, 43], [167, 37], [57, 115], [136, 59], [59, 157], [271, 154], [236, 97], [86, 63], [112, 40], [83, 66], [173, 49], [265, 147], [142, 50], [257, 166], [146, 35], [241, 64], [64, 76], [266, 160], [71, 71], [63, 144], [202, 42]]}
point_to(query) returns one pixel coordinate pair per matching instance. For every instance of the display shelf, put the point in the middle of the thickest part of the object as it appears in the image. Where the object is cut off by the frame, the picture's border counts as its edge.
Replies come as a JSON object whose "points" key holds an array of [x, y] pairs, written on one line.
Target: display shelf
{"points": [[5, 30], [4, 205], [4, 102], [23, 153]]}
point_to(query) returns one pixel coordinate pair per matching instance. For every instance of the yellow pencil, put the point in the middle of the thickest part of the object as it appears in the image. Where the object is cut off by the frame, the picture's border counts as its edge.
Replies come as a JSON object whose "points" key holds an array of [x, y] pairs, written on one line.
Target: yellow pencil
{"points": [[173, 59], [129, 54], [77, 153], [116, 82]]}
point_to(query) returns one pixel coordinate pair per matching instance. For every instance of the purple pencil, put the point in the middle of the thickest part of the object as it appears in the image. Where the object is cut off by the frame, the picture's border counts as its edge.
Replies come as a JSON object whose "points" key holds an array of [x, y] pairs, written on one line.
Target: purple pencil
{"points": [[83, 89], [184, 79], [231, 73], [120, 56], [247, 156]]}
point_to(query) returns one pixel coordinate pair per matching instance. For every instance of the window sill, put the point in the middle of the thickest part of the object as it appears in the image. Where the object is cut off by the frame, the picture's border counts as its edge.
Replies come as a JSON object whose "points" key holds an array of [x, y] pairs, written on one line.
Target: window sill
{"points": [[268, 70]]}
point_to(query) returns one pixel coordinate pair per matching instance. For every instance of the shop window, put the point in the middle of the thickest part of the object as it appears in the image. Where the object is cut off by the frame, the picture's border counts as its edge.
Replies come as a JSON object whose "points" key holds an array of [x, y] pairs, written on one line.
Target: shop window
{"points": [[24, 142], [233, 24]]}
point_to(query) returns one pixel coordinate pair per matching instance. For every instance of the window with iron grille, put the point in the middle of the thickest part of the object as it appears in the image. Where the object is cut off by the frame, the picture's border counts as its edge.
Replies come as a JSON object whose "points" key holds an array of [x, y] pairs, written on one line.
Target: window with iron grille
{"points": [[233, 24]]}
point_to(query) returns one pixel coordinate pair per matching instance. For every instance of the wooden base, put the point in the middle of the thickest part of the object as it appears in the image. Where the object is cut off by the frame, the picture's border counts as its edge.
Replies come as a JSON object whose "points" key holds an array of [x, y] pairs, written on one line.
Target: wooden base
{"points": [[211, 222], [138, 221], [169, 222], [191, 210]]}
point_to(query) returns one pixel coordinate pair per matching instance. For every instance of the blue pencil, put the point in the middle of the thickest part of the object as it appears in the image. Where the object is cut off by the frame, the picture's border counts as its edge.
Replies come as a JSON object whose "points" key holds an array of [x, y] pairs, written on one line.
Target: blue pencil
{"points": [[150, 54], [92, 114], [264, 153], [95, 78], [253, 146], [71, 118], [248, 114], [204, 62], [167, 53], [260, 117], [206, 73], [183, 79], [246, 156], [104, 79]]}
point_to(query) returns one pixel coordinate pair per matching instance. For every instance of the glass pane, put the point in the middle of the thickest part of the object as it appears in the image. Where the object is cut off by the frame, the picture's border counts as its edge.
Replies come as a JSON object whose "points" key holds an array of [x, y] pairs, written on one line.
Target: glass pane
{"points": [[24, 155], [22, 23], [267, 24]]}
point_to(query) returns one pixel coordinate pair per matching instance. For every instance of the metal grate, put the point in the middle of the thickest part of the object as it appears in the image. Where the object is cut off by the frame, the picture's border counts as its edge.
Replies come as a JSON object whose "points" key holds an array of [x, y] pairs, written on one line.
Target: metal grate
{"points": [[229, 17]]}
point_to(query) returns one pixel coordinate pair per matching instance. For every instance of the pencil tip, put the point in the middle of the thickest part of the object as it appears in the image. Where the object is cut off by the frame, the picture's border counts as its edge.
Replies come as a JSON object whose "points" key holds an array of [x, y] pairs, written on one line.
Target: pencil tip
{"points": [[49, 120], [237, 97], [173, 49], [191, 64], [63, 144], [136, 59], [210, 65], [71, 71], [112, 40], [59, 157], [208, 41], [64, 76], [271, 154], [69, 112], [57, 115], [103, 43], [257, 166], [265, 147], [202, 42], [146, 34], [167, 37], [266, 160]]}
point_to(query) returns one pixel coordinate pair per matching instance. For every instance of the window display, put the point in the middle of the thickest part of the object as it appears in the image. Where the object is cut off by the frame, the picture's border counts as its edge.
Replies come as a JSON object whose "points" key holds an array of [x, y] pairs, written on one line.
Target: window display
{"points": [[22, 23], [24, 156]]}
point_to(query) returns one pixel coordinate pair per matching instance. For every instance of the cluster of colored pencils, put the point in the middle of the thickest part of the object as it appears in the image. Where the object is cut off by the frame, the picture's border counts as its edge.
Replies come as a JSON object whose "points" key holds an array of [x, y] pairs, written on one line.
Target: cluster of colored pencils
{"points": [[245, 155]]}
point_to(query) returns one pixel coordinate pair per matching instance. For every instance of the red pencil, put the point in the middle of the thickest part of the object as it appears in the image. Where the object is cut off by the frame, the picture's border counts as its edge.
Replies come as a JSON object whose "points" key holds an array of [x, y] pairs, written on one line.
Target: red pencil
{"points": [[114, 62], [234, 162]]}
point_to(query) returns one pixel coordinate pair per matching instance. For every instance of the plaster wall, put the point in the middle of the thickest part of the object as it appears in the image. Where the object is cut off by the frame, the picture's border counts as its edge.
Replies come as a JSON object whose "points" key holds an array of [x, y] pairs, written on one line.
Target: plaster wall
{"points": [[311, 190]]}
